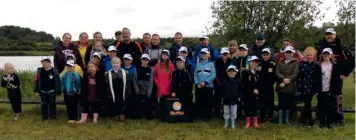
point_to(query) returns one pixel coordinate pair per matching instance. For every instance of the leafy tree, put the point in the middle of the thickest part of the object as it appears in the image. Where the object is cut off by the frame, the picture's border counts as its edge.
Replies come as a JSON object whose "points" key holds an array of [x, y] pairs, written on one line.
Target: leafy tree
{"points": [[346, 24]]}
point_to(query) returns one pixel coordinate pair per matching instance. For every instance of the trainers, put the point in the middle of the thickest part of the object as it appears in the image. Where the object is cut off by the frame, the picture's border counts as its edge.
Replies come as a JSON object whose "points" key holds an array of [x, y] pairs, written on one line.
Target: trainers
{"points": [[72, 121], [17, 117]]}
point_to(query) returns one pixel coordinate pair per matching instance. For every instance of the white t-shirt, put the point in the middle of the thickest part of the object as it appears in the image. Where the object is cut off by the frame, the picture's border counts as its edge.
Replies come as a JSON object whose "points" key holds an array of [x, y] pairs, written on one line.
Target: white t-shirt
{"points": [[326, 69]]}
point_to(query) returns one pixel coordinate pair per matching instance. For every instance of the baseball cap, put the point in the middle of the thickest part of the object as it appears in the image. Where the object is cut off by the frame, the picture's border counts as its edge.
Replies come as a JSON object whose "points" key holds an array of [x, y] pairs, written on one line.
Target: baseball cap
{"points": [[128, 56], [183, 49], [232, 67], [224, 50], [252, 58], [97, 54], [243, 46], [330, 30], [180, 58], [204, 37], [71, 63], [112, 48], [330, 51], [266, 50], [289, 48], [46, 58], [204, 50], [145, 56], [166, 51], [260, 37]]}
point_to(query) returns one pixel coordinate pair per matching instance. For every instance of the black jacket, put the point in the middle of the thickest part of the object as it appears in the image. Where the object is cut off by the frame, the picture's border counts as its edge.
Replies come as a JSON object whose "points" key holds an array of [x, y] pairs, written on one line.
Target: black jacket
{"points": [[133, 48], [38, 80], [249, 84], [257, 51], [240, 62], [60, 53], [335, 81], [221, 68], [174, 50], [315, 78], [267, 76], [100, 87], [12, 84], [231, 91], [342, 55], [182, 83]]}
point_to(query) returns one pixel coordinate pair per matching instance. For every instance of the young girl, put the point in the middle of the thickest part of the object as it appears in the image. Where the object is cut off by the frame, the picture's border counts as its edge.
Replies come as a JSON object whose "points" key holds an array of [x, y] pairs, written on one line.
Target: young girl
{"points": [[280, 55], [70, 86], [12, 83], [92, 86], [117, 86], [77, 68], [204, 76], [331, 88], [112, 52], [251, 86], [241, 62], [308, 82], [233, 49], [286, 73], [182, 85], [231, 95]]}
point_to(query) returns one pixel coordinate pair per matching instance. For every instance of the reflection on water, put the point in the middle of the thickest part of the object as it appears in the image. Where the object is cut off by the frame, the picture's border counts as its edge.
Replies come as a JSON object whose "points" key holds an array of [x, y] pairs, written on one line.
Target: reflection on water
{"points": [[22, 63]]}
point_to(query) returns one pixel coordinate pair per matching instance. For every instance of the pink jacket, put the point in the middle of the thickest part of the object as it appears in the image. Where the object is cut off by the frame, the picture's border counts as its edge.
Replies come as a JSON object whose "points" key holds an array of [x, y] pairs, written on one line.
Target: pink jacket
{"points": [[162, 79]]}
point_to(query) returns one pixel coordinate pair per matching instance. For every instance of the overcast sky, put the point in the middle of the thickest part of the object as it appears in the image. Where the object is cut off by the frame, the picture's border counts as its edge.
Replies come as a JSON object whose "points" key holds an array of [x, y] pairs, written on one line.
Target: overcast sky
{"points": [[164, 17]]}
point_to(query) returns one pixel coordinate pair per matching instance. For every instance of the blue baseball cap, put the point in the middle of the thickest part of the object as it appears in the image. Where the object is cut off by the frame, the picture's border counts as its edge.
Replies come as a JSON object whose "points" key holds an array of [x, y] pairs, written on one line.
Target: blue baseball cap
{"points": [[260, 37]]}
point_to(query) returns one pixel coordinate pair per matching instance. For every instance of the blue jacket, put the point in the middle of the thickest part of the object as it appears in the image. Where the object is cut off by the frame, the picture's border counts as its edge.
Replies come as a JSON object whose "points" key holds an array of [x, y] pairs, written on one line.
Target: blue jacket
{"points": [[131, 71], [214, 54], [174, 50], [70, 87], [205, 72], [107, 62]]}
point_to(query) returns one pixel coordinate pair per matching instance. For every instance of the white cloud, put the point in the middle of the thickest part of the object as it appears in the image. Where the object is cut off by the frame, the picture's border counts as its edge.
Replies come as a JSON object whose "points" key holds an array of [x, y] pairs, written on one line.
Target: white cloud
{"points": [[164, 17]]}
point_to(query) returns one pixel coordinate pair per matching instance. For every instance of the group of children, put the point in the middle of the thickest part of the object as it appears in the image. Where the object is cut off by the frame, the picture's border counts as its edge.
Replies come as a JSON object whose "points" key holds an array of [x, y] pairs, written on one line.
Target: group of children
{"points": [[108, 87]]}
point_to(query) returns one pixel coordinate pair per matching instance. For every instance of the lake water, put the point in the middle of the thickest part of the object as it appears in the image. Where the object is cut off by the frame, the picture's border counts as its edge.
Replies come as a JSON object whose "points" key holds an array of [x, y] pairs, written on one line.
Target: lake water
{"points": [[22, 63]]}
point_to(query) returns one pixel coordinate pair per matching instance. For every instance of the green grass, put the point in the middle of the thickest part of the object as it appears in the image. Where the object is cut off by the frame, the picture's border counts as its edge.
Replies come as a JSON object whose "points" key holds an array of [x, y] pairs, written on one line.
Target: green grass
{"points": [[30, 127]]}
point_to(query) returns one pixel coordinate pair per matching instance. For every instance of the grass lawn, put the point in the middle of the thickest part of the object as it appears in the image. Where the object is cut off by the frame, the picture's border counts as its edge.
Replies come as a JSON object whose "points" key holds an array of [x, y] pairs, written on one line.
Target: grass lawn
{"points": [[30, 127]]}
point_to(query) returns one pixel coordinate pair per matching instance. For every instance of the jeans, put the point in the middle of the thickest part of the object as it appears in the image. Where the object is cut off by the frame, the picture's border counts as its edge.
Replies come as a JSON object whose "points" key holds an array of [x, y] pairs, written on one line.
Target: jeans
{"points": [[48, 104], [230, 112]]}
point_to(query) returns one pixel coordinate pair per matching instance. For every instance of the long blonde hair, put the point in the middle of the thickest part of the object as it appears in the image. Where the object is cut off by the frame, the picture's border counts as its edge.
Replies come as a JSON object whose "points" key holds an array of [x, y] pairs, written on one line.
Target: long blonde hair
{"points": [[236, 53], [312, 51]]}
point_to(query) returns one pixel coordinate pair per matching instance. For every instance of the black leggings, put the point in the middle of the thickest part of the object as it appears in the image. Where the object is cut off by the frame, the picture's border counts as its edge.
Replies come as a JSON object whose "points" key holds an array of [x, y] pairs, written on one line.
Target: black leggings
{"points": [[204, 102], [94, 106], [307, 108], [72, 106], [15, 100], [250, 105], [285, 101], [326, 108]]}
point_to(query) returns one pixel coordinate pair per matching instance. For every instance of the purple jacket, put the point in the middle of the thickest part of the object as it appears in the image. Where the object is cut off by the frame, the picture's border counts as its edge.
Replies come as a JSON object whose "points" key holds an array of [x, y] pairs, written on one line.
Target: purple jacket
{"points": [[60, 56]]}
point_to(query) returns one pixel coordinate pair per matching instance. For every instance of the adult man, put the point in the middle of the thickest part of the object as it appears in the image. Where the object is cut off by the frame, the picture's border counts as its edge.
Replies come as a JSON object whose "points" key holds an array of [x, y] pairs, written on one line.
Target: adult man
{"points": [[118, 36], [128, 46], [257, 48], [204, 43], [178, 42], [343, 57], [146, 43]]}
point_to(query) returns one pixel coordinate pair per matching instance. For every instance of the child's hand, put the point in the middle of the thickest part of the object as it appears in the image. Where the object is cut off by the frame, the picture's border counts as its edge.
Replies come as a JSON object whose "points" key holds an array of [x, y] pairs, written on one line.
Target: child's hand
{"points": [[173, 94], [286, 81], [202, 84], [37, 94], [255, 91], [199, 86]]}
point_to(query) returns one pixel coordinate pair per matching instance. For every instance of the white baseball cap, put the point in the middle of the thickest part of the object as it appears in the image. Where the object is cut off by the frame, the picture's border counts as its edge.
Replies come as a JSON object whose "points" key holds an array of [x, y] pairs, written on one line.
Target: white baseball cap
{"points": [[205, 50], [181, 58], [128, 56], [330, 51], [145, 56], [112, 48], [289, 48], [224, 50], [266, 50], [183, 49], [204, 37], [243, 46], [232, 67], [71, 63], [166, 51], [252, 58], [330, 30], [46, 58], [98, 54]]}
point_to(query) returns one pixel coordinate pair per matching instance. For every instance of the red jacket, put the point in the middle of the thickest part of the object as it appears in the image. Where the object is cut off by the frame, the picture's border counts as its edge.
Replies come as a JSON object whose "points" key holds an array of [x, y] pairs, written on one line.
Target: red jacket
{"points": [[162, 79]]}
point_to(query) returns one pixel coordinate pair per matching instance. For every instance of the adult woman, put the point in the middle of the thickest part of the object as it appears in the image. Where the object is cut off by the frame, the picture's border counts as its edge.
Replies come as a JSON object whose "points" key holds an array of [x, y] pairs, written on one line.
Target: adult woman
{"points": [[96, 47], [82, 46], [280, 55], [233, 49], [64, 49]]}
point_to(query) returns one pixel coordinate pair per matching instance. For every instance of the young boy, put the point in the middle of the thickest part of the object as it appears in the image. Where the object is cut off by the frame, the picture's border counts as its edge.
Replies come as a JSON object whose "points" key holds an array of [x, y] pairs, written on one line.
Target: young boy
{"points": [[183, 51], [231, 95], [182, 85], [131, 109], [112, 51], [267, 69], [144, 84], [70, 86], [220, 65], [77, 68], [47, 86]]}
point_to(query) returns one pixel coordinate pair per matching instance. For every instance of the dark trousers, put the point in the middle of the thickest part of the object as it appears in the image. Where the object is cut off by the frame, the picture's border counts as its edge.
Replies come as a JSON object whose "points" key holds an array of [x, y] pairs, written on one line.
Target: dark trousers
{"points": [[326, 108], [217, 100], [285, 101], [204, 102], [93, 105], [48, 105], [187, 101], [250, 105], [71, 102], [117, 108], [267, 104], [15, 100], [307, 109], [137, 106]]}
